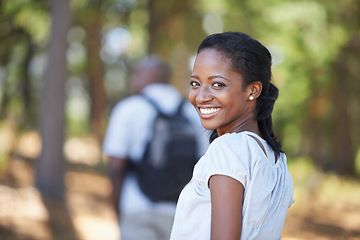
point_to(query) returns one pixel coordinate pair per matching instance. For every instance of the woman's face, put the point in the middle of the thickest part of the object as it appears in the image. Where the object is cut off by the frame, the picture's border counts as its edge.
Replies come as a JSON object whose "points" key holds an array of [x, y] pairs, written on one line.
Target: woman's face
{"points": [[218, 94]]}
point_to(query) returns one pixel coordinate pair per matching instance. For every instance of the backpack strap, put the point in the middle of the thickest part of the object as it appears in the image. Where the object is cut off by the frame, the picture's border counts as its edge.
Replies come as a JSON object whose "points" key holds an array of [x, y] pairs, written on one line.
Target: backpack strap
{"points": [[180, 107]]}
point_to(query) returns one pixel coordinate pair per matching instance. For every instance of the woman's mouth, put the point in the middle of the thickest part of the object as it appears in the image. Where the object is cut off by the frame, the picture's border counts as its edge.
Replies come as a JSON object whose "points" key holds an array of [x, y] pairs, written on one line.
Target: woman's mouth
{"points": [[208, 112]]}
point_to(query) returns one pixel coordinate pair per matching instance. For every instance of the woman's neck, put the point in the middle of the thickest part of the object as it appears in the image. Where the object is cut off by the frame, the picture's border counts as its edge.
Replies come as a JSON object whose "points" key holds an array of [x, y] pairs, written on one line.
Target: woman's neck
{"points": [[249, 125]]}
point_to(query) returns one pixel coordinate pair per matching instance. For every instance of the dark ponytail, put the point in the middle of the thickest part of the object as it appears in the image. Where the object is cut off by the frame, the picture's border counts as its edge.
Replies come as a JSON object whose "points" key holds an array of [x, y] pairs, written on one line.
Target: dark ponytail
{"points": [[253, 61], [264, 107], [214, 134]]}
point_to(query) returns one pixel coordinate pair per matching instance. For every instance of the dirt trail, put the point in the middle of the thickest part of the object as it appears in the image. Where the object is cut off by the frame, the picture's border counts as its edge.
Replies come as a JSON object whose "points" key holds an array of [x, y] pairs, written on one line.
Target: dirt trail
{"points": [[87, 215]]}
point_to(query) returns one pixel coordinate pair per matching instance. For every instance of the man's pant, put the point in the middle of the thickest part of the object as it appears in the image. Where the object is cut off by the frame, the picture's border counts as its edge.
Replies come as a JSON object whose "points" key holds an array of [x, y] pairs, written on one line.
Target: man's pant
{"points": [[145, 226]]}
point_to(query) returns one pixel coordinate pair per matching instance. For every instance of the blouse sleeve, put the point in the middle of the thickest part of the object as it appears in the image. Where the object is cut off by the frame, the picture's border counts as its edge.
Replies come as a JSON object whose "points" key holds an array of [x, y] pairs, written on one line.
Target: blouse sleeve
{"points": [[228, 155]]}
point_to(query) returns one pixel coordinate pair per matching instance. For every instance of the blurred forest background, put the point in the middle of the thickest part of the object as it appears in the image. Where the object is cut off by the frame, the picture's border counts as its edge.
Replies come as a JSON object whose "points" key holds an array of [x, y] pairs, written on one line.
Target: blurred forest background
{"points": [[65, 63]]}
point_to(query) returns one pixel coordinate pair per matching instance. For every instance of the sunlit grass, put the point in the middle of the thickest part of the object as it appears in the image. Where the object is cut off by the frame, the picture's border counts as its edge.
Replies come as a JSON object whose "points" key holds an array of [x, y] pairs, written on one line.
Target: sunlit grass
{"points": [[3, 161], [339, 192], [329, 189]]}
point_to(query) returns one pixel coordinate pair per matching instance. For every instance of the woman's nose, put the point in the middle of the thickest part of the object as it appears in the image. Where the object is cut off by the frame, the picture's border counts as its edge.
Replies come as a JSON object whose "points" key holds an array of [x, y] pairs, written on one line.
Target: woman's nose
{"points": [[203, 95]]}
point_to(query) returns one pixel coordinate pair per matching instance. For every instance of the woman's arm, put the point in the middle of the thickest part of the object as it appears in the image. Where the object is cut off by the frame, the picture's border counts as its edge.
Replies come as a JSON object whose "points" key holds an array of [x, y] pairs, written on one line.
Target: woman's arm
{"points": [[226, 207]]}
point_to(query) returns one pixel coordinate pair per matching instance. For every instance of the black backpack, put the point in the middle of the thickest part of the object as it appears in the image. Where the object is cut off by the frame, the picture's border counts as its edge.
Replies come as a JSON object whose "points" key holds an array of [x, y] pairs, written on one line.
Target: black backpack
{"points": [[169, 158]]}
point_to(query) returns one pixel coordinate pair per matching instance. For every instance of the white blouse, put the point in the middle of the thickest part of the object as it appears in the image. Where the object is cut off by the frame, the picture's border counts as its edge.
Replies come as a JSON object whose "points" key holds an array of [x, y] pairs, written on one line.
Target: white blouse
{"points": [[267, 196]]}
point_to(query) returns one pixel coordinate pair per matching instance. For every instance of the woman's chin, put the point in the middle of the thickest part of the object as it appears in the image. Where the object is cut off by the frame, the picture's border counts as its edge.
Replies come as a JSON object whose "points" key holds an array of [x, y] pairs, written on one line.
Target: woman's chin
{"points": [[208, 126]]}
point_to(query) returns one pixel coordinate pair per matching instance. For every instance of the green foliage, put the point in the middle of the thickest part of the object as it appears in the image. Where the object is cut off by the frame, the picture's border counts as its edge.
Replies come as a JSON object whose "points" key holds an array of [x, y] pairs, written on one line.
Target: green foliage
{"points": [[301, 168], [357, 163], [77, 127], [209, 6], [25, 28], [139, 36], [36, 21], [314, 45]]}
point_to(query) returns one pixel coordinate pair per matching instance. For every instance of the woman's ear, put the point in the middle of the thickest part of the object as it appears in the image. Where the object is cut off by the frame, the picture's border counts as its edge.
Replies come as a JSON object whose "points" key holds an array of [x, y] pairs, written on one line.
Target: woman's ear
{"points": [[255, 90]]}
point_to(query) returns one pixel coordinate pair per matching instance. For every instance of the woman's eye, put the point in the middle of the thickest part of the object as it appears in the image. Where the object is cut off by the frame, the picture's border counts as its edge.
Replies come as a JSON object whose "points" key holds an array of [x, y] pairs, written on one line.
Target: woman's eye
{"points": [[194, 83], [218, 85]]}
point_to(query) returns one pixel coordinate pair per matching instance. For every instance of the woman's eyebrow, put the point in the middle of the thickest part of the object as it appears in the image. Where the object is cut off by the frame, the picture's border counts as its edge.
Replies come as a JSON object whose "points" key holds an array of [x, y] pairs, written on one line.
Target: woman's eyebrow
{"points": [[212, 77], [219, 76]]}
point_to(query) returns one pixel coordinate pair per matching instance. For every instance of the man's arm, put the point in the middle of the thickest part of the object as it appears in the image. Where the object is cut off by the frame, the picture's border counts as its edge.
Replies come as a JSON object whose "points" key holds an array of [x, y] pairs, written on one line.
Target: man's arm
{"points": [[117, 171]]}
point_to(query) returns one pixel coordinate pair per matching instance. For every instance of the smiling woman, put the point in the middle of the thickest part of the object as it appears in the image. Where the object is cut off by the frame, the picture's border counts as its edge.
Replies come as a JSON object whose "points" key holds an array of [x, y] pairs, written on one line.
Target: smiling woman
{"points": [[241, 188], [218, 94]]}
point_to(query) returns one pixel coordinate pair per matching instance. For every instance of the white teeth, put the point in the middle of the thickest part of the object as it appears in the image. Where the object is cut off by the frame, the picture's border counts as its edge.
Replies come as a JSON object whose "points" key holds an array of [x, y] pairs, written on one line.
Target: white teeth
{"points": [[209, 110]]}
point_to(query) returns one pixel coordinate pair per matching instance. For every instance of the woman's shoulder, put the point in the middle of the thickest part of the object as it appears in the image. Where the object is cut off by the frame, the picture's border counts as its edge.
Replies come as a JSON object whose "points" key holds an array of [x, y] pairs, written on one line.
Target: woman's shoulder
{"points": [[236, 145], [227, 155], [229, 146], [232, 139]]}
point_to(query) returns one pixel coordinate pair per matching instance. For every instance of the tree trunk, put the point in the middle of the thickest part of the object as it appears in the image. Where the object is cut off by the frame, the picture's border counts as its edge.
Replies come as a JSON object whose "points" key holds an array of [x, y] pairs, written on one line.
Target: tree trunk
{"points": [[346, 95], [166, 24], [50, 166], [95, 70], [344, 152]]}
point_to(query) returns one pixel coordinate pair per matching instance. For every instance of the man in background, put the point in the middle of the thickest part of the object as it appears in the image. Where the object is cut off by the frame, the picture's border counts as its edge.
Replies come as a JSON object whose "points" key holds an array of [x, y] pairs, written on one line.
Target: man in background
{"points": [[130, 128]]}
